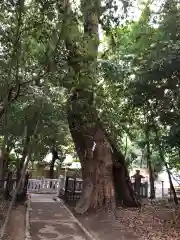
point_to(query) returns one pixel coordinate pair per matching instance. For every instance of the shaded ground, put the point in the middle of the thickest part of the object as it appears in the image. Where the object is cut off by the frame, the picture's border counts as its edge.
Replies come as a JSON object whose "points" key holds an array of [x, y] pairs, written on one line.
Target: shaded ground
{"points": [[50, 220], [152, 224], [3, 210], [16, 225]]}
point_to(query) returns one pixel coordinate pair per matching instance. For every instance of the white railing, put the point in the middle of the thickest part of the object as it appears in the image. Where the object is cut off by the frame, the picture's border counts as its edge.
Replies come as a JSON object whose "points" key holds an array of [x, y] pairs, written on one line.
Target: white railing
{"points": [[45, 185]]}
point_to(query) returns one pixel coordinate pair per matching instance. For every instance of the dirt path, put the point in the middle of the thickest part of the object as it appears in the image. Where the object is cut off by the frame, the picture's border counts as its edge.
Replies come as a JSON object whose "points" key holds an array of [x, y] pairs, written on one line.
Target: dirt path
{"points": [[50, 220]]}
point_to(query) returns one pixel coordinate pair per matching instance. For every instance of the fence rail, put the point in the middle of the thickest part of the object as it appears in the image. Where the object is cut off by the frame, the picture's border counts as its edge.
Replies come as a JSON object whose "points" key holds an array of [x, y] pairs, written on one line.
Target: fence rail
{"points": [[143, 189], [45, 185], [71, 188], [76, 184]]}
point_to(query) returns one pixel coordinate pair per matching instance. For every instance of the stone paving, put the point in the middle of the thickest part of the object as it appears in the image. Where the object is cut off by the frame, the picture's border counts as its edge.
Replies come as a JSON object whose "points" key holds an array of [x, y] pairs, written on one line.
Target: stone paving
{"points": [[49, 220]]}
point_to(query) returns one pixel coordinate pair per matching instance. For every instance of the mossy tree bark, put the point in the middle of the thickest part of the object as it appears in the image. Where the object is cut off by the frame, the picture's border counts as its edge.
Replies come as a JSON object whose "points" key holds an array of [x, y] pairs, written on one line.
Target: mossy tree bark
{"points": [[105, 175]]}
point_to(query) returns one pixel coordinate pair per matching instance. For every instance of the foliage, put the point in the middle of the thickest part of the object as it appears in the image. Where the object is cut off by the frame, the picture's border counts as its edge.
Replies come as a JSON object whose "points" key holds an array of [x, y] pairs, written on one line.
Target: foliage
{"points": [[145, 60], [135, 78]]}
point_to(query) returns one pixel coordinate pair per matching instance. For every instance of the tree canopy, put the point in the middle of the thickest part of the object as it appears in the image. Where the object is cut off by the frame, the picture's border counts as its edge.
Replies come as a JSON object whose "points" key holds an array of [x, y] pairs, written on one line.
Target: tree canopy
{"points": [[49, 48]]}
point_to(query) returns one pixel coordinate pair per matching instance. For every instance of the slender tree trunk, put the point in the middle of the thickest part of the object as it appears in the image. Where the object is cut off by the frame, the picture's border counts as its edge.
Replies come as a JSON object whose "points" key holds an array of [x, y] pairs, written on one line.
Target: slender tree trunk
{"points": [[8, 215], [24, 154], [7, 158], [142, 157], [151, 180], [151, 175], [126, 147], [51, 169], [3, 153], [4, 157], [28, 134], [172, 189], [54, 157], [8, 186], [166, 166], [105, 175], [1, 169]]}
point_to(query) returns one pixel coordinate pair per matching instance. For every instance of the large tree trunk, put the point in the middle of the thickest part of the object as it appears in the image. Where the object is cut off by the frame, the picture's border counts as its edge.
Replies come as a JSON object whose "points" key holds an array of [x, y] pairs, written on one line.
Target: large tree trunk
{"points": [[105, 175]]}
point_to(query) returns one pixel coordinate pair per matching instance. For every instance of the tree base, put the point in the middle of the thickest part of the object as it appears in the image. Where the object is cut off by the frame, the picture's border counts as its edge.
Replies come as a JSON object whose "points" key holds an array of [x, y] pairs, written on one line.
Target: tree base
{"points": [[84, 202], [105, 176]]}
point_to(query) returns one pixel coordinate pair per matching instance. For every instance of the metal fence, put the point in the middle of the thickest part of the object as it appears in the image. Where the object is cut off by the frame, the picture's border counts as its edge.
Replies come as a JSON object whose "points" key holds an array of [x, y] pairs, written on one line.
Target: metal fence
{"points": [[143, 189], [72, 189]]}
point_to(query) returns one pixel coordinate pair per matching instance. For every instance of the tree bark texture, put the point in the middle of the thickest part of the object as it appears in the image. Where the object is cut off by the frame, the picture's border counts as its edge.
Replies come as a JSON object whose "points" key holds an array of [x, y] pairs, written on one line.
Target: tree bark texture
{"points": [[24, 155], [54, 157], [151, 180], [1, 170], [161, 154], [149, 164], [3, 166], [105, 176]]}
